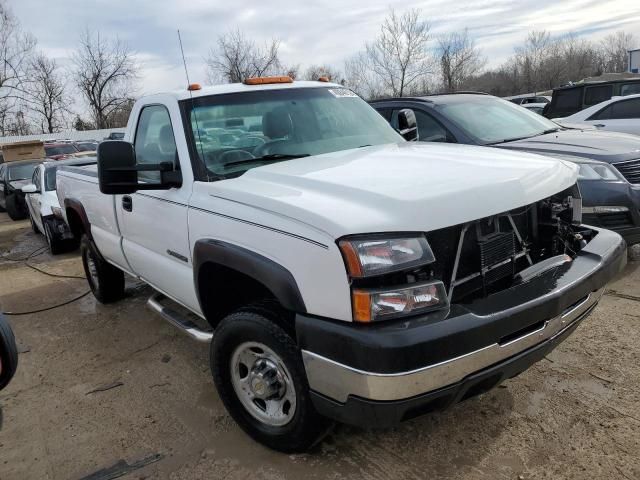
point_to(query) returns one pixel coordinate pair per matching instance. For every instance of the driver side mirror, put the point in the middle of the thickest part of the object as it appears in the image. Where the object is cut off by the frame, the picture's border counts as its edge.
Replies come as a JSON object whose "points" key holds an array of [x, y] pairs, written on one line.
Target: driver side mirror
{"points": [[118, 170], [31, 188], [407, 125]]}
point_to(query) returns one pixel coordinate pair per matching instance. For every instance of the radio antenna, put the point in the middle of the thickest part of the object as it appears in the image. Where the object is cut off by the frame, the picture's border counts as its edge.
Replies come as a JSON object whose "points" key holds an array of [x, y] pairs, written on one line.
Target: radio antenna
{"points": [[184, 60], [193, 107]]}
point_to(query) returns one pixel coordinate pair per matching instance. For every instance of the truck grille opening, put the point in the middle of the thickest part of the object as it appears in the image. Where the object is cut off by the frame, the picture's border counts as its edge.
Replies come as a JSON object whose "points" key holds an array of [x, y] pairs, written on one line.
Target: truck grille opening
{"points": [[485, 256]]}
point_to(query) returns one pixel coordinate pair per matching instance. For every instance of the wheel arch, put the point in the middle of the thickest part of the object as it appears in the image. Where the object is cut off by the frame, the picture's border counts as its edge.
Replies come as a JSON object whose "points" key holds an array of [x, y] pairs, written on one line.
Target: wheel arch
{"points": [[239, 276], [77, 218]]}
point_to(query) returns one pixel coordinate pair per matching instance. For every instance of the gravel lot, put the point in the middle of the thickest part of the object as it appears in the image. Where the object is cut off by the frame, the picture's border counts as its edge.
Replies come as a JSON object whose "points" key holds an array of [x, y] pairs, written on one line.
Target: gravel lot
{"points": [[105, 390]]}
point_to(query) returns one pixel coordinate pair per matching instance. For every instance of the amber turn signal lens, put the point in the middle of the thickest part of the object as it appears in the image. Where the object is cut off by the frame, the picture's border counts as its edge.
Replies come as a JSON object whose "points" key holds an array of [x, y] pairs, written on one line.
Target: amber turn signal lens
{"points": [[361, 306], [266, 80], [351, 258]]}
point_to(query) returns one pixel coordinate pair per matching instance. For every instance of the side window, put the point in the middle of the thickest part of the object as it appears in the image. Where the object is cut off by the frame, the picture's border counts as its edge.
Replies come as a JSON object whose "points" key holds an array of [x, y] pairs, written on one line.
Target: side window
{"points": [[626, 109], [630, 89], [568, 99], [154, 141], [604, 114], [430, 130], [386, 113], [595, 95]]}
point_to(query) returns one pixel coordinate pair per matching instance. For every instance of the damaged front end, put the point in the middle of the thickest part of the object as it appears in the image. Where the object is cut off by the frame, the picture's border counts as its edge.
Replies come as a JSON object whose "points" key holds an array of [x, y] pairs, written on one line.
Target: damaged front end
{"points": [[494, 253]]}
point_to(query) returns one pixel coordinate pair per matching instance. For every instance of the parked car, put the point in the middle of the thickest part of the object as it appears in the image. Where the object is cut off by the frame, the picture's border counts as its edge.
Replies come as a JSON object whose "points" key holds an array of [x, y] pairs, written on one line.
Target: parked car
{"points": [[59, 151], [87, 146], [115, 136], [44, 210], [610, 189], [348, 274], [570, 99], [534, 107], [619, 114], [533, 99], [8, 352], [14, 176]]}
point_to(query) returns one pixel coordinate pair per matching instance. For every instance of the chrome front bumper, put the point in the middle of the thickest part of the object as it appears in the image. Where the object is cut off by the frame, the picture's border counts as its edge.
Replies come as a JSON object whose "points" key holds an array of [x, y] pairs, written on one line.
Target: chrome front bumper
{"points": [[338, 382]]}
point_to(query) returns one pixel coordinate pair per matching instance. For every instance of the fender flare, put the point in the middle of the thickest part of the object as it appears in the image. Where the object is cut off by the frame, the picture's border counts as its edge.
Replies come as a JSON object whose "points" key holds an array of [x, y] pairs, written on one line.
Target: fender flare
{"points": [[277, 279], [77, 207]]}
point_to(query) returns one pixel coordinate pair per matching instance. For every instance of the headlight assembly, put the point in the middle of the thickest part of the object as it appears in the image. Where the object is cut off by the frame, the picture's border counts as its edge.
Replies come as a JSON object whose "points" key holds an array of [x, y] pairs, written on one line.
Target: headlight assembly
{"points": [[596, 171], [377, 256]]}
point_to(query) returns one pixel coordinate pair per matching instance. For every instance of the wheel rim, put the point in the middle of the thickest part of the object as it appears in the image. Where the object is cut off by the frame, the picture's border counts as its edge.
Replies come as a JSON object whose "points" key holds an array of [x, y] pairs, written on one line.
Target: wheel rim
{"points": [[263, 384], [93, 270]]}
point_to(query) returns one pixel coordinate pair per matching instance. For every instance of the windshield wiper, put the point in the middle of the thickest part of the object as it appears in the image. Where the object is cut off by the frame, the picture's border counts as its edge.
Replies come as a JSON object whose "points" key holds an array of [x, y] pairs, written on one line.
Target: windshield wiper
{"points": [[270, 158], [550, 130]]}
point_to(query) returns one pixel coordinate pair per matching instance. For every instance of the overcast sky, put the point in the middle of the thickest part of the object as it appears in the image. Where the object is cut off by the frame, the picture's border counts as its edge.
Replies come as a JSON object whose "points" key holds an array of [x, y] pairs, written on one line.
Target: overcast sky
{"points": [[312, 31]]}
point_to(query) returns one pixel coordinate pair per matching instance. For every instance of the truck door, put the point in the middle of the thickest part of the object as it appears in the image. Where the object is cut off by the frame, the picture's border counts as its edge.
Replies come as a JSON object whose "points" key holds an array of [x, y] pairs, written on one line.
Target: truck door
{"points": [[153, 223]]}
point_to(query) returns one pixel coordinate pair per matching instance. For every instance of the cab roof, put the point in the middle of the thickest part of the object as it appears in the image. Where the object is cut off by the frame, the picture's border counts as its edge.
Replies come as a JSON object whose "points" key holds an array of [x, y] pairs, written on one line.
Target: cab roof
{"points": [[185, 94]]}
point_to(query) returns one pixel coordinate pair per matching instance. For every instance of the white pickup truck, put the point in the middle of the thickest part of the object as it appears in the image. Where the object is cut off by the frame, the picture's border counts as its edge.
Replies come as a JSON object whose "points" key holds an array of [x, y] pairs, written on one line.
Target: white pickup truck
{"points": [[339, 271]]}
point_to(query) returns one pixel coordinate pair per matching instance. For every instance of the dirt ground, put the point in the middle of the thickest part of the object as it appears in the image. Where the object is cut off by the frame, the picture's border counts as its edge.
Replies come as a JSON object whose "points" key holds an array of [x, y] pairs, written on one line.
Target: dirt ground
{"points": [[105, 390]]}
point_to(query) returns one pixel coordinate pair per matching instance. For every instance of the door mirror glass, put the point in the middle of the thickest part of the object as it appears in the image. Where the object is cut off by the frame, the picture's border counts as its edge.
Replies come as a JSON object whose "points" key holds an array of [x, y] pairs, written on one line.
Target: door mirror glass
{"points": [[118, 171], [31, 188], [407, 125]]}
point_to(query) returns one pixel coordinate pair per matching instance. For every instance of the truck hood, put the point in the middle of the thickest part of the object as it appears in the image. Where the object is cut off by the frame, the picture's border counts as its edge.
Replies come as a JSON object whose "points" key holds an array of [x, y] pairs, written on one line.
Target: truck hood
{"points": [[403, 187], [610, 147]]}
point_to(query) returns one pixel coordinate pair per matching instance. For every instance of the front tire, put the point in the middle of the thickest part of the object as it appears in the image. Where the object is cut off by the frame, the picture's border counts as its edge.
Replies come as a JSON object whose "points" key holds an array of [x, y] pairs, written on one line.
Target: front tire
{"points": [[105, 280], [34, 227], [258, 371], [13, 208], [55, 246], [8, 353]]}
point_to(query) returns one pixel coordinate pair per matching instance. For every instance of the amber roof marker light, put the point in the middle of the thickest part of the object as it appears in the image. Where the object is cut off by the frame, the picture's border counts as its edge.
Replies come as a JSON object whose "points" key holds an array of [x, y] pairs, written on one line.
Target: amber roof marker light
{"points": [[267, 80], [194, 86]]}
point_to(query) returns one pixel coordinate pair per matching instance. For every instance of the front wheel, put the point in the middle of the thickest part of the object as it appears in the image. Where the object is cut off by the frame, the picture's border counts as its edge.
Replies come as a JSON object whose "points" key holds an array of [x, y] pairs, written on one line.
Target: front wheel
{"points": [[14, 209], [105, 280], [56, 246], [8, 353], [258, 371]]}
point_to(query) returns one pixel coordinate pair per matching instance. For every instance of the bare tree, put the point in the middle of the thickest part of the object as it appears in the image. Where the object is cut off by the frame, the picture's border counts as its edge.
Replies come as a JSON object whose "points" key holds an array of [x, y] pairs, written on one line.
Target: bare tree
{"points": [[360, 77], [614, 56], [47, 95], [459, 59], [15, 50], [313, 72], [105, 73], [237, 57], [401, 54]]}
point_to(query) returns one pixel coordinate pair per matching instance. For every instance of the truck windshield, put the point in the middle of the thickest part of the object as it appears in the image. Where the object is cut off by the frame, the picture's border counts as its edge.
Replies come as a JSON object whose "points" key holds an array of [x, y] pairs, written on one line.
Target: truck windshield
{"points": [[490, 120], [236, 132]]}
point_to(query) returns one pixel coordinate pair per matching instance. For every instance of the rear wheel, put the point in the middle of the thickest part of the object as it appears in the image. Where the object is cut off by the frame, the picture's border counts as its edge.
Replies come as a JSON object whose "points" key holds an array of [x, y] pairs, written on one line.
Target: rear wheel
{"points": [[105, 280], [258, 371], [14, 209]]}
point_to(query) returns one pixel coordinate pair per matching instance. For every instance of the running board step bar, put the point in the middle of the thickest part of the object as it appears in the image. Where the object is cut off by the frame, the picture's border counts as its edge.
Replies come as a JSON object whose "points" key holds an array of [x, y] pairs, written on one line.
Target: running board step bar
{"points": [[175, 319]]}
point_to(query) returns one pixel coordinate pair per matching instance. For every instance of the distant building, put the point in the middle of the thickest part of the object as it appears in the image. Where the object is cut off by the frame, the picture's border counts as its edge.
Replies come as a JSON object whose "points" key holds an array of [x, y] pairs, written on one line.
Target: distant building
{"points": [[634, 61]]}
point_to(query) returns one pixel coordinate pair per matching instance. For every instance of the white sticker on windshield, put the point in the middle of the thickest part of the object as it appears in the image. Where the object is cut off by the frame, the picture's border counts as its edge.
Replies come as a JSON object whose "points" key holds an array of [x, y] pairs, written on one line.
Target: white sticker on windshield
{"points": [[342, 92]]}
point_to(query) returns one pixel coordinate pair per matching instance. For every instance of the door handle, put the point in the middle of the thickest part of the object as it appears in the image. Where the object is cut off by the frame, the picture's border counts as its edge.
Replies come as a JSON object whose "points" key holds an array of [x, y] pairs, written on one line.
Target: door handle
{"points": [[127, 203]]}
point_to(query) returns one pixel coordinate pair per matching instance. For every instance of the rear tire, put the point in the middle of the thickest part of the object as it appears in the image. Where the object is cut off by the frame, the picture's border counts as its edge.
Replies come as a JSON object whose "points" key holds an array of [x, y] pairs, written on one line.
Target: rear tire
{"points": [[247, 347], [8, 353], [105, 280], [13, 208]]}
